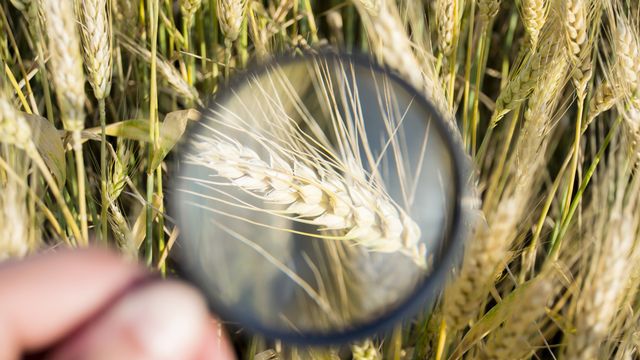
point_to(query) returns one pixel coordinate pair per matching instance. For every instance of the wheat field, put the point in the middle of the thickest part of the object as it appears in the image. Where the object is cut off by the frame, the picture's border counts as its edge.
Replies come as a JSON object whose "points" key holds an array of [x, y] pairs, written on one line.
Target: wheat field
{"points": [[544, 95]]}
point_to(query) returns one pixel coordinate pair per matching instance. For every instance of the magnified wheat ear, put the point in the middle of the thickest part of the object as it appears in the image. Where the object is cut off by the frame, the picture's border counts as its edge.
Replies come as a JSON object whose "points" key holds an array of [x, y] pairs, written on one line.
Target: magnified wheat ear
{"points": [[324, 198]]}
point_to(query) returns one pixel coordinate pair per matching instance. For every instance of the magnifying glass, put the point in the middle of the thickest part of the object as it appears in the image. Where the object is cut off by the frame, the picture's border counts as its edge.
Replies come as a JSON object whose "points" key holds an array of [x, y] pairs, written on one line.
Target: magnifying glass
{"points": [[319, 200]]}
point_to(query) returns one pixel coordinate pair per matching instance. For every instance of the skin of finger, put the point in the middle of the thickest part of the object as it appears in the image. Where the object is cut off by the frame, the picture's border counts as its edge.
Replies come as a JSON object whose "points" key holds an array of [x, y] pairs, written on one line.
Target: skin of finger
{"points": [[164, 320], [45, 297]]}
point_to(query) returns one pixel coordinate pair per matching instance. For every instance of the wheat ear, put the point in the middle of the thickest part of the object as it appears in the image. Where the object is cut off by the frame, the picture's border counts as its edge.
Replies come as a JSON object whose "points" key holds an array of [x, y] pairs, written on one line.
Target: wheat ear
{"points": [[14, 225], [230, 16], [488, 248], [189, 9], [393, 47], [604, 98], [365, 351], [96, 46], [68, 77], [445, 22], [627, 47], [15, 130], [599, 299], [324, 200], [579, 46], [482, 259], [488, 9], [168, 72], [512, 339], [525, 79], [533, 18]]}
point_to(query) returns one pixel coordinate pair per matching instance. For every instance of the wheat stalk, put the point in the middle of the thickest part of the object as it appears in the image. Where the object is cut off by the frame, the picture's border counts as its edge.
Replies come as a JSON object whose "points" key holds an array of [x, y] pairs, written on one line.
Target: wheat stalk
{"points": [[327, 200], [533, 18]]}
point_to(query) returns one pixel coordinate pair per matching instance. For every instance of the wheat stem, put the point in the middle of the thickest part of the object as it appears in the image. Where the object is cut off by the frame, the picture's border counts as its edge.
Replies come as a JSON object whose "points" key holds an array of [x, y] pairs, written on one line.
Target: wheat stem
{"points": [[103, 171]]}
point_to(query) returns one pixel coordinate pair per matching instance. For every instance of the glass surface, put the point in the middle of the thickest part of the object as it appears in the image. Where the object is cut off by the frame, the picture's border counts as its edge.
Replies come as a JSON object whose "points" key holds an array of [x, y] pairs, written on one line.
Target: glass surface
{"points": [[315, 196]]}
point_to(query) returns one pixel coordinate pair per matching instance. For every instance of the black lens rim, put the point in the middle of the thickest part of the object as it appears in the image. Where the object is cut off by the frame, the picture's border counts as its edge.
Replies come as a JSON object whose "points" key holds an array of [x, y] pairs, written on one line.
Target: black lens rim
{"points": [[424, 294]]}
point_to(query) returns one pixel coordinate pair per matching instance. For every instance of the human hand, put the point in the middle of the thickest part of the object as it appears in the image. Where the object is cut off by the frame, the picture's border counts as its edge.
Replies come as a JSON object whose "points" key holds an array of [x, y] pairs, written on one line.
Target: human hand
{"points": [[89, 304]]}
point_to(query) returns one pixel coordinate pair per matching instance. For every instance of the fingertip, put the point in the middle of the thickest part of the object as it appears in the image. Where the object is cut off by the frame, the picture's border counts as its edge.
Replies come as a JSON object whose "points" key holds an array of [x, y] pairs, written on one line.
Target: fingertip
{"points": [[166, 320]]}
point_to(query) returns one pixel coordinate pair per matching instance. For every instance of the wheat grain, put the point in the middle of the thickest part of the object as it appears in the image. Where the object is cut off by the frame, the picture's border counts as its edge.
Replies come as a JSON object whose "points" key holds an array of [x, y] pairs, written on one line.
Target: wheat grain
{"points": [[96, 45], [445, 11], [512, 339], [324, 200], [533, 18]]}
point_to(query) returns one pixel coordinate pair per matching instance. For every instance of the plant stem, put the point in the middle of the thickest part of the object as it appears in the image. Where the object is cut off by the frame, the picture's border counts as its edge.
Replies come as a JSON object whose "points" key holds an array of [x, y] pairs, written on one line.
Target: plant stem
{"points": [[442, 339], [576, 155], [228, 44], [153, 119], [476, 98], [81, 178], [467, 75], [55, 190], [103, 171], [497, 173], [558, 235]]}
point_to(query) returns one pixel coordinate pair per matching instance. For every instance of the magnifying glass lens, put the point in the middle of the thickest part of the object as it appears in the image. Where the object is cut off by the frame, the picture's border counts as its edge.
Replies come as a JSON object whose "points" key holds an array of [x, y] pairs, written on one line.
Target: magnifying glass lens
{"points": [[316, 197]]}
